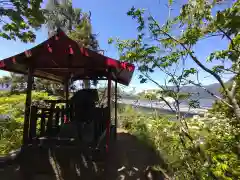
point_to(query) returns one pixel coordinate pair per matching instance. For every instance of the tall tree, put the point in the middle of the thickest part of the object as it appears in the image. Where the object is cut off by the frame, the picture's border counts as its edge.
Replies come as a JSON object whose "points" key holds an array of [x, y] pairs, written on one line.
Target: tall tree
{"points": [[17, 83], [83, 35], [163, 46], [18, 17], [169, 45], [58, 14], [77, 24], [5, 81], [61, 14]]}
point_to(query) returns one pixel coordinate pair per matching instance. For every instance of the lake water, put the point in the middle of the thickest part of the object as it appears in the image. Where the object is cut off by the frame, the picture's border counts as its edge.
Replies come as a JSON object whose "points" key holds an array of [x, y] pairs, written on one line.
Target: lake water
{"points": [[162, 108], [204, 103]]}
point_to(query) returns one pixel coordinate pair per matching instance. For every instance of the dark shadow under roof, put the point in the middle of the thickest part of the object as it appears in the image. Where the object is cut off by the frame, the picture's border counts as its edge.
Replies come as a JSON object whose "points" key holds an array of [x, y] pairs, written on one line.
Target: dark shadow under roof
{"points": [[60, 58]]}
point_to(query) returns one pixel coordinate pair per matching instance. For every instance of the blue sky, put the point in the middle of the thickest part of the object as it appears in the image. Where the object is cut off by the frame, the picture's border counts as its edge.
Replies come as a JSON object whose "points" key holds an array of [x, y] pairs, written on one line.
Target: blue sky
{"points": [[109, 19]]}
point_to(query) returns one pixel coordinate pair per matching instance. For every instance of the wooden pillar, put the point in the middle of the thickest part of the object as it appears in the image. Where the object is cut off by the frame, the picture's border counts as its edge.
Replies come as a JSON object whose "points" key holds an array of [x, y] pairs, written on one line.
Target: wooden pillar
{"points": [[33, 123], [66, 89], [50, 120], [28, 106], [109, 110], [116, 123], [43, 123], [70, 59], [62, 115]]}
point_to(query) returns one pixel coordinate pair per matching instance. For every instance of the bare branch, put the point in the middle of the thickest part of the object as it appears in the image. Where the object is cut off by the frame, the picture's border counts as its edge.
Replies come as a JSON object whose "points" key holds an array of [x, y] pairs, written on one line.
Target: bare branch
{"points": [[231, 71]]}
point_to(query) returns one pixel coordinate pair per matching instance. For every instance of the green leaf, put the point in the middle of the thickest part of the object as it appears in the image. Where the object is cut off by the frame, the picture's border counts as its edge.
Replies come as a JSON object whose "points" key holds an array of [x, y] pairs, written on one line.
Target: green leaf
{"points": [[143, 80], [220, 18], [4, 35], [194, 104], [188, 72], [218, 69], [218, 173], [131, 11], [110, 40], [21, 16], [210, 57]]}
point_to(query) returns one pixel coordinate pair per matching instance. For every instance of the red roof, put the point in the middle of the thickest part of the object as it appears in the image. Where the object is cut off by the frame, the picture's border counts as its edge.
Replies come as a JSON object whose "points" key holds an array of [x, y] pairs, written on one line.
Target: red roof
{"points": [[60, 57]]}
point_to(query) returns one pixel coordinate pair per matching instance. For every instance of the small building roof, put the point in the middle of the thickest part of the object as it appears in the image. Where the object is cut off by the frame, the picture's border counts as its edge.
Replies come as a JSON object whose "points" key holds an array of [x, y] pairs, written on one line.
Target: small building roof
{"points": [[60, 58]]}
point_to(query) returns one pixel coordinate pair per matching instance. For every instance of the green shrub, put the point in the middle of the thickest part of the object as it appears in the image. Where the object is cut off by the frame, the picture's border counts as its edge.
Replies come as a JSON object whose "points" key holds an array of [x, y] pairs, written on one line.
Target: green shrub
{"points": [[212, 153], [220, 107], [11, 130]]}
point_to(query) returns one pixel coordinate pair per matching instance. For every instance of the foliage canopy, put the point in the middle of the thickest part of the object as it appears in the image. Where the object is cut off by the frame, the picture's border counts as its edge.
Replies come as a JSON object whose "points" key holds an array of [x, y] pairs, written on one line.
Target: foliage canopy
{"points": [[168, 47], [18, 17]]}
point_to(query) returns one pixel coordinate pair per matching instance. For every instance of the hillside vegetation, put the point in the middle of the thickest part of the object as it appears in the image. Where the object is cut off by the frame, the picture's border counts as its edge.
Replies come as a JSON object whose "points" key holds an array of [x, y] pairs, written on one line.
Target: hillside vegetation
{"points": [[11, 129], [210, 152]]}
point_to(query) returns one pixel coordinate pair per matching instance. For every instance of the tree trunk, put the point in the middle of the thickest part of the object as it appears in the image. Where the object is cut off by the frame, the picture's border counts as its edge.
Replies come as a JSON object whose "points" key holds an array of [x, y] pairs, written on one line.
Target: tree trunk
{"points": [[236, 108], [86, 84], [231, 94]]}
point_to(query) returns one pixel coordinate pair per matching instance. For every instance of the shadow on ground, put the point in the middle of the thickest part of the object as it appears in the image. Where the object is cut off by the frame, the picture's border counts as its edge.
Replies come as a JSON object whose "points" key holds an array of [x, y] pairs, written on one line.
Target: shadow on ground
{"points": [[129, 159]]}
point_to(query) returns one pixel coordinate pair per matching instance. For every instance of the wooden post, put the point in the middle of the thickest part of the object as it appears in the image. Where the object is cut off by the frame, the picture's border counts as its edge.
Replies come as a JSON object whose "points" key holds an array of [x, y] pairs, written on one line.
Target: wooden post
{"points": [[71, 53], [66, 91], [33, 123], [28, 106], [57, 116], [62, 115], [66, 97], [96, 125], [43, 123], [109, 111], [116, 123], [50, 120]]}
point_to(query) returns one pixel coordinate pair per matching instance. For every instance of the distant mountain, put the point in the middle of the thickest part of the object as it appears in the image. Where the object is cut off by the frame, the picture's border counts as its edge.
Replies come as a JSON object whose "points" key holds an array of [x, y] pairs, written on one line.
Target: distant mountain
{"points": [[201, 93], [214, 88]]}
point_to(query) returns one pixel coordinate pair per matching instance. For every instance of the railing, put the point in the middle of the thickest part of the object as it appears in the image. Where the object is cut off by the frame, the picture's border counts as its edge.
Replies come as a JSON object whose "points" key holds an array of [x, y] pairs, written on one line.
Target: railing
{"points": [[100, 124], [45, 121], [48, 121]]}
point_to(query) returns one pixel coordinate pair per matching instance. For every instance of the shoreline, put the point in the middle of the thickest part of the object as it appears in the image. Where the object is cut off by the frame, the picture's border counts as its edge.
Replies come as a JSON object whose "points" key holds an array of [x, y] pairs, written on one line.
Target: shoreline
{"points": [[163, 108]]}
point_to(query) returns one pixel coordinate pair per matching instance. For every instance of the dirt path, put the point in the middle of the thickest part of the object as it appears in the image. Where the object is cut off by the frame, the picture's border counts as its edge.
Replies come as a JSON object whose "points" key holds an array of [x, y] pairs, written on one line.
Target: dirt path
{"points": [[131, 158], [128, 160]]}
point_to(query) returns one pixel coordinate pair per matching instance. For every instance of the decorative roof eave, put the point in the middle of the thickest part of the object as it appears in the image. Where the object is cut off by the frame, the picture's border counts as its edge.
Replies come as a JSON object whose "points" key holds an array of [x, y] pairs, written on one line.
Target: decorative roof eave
{"points": [[59, 52]]}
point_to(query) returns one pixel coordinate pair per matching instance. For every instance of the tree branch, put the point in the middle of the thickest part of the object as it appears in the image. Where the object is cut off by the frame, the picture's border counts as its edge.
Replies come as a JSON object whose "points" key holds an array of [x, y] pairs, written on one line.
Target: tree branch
{"points": [[219, 98], [234, 88], [194, 58], [209, 36], [229, 38], [168, 104]]}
